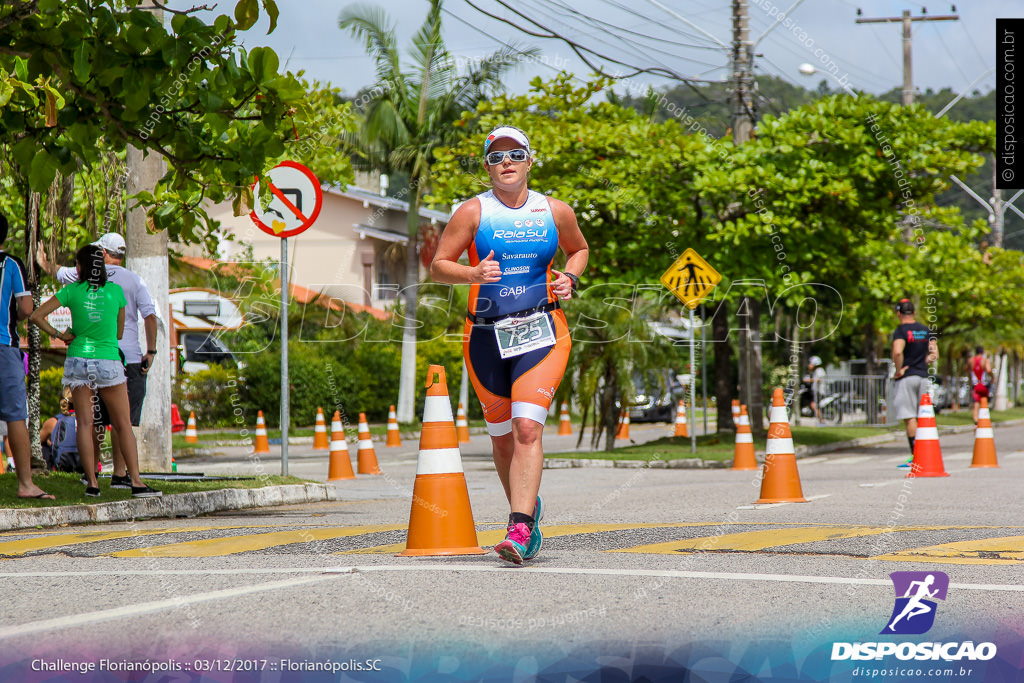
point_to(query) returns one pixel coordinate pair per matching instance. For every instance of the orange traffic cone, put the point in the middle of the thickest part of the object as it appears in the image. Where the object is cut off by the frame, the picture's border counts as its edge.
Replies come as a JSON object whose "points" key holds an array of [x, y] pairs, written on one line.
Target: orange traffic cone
{"points": [[681, 429], [320, 432], [340, 465], [366, 456], [780, 482], [927, 452], [743, 456], [191, 435], [461, 425], [735, 411], [623, 432], [441, 520], [3, 457], [261, 445], [564, 422], [984, 440], [394, 438]]}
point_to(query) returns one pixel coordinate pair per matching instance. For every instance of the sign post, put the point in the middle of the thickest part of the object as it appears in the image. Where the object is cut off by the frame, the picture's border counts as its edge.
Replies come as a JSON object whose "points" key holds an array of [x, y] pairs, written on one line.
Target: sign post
{"points": [[295, 205], [691, 279]]}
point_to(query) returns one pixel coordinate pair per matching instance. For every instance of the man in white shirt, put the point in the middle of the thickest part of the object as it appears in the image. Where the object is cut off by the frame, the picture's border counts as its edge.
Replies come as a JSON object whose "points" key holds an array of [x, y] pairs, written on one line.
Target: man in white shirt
{"points": [[139, 302]]}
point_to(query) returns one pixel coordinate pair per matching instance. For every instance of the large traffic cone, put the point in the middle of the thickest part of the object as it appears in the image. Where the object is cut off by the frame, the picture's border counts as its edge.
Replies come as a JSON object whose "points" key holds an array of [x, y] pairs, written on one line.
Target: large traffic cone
{"points": [[984, 440], [441, 520], [681, 429], [623, 431], [320, 432], [735, 412], [461, 425], [780, 482], [366, 456], [927, 452], [262, 444], [191, 435], [340, 464], [564, 421], [743, 456], [394, 438]]}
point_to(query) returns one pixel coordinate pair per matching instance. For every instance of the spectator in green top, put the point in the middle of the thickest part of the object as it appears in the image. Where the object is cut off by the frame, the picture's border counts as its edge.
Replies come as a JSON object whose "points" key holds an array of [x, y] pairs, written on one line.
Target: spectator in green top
{"points": [[94, 363]]}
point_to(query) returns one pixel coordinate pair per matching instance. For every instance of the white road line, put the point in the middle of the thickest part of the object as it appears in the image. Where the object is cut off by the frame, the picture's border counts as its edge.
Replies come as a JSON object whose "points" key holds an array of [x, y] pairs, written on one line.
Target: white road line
{"points": [[765, 506], [849, 459], [812, 460], [77, 620]]}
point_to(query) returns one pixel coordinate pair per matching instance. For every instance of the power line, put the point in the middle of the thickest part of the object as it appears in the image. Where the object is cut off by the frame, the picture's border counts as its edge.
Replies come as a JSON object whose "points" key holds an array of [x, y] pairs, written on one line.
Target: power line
{"points": [[715, 44], [647, 21]]}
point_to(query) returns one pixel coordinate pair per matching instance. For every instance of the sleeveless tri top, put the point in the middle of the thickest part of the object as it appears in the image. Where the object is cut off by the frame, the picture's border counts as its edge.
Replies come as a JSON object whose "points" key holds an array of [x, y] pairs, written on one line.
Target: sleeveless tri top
{"points": [[524, 241]]}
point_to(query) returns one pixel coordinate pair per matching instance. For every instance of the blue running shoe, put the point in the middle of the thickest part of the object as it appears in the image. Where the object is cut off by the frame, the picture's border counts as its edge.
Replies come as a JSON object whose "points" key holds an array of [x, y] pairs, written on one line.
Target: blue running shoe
{"points": [[536, 537], [907, 463], [513, 548]]}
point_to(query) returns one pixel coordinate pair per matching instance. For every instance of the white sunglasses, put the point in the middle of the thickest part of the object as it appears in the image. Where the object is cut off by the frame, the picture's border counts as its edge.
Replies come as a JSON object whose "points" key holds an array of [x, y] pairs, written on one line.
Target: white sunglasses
{"points": [[495, 158]]}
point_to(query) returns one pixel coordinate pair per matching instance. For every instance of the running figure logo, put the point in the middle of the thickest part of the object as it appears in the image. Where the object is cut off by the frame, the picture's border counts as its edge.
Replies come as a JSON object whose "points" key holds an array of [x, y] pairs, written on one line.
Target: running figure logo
{"points": [[914, 612]]}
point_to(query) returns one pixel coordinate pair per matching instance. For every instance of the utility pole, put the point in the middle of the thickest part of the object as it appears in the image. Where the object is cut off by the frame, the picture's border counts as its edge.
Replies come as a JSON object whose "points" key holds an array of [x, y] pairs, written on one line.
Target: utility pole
{"points": [[998, 211], [907, 21]]}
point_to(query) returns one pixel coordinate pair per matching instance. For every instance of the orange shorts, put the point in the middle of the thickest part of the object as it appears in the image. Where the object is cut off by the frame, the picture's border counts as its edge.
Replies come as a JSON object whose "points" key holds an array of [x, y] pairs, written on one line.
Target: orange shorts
{"points": [[521, 386]]}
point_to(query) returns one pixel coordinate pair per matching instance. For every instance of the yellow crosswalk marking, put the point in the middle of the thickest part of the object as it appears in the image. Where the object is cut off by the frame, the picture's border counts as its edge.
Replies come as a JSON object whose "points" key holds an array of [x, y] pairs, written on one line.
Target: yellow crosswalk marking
{"points": [[1004, 550], [765, 538], [495, 536], [27, 545], [213, 547]]}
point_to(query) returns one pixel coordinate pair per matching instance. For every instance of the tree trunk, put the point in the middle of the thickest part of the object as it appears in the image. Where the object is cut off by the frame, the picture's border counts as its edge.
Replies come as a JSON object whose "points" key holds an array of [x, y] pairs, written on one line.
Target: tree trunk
{"points": [[723, 368], [34, 338], [407, 376], [751, 391]]}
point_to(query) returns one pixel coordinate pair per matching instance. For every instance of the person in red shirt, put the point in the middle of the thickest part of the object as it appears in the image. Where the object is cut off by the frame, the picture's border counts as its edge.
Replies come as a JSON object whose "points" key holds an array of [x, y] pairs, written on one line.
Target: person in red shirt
{"points": [[980, 370]]}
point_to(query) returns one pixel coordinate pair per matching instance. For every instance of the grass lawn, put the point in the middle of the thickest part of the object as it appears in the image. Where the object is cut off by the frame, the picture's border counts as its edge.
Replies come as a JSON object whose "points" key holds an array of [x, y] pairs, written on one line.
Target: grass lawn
{"points": [[965, 417], [69, 490]]}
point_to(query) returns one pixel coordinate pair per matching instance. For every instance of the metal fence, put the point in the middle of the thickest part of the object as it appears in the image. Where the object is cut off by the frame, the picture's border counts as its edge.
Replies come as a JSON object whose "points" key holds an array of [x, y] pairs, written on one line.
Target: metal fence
{"points": [[855, 400]]}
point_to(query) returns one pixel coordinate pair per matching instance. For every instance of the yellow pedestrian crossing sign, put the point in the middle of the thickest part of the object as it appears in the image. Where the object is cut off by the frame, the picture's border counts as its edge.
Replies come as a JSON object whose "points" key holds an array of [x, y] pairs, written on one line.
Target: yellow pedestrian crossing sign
{"points": [[691, 278]]}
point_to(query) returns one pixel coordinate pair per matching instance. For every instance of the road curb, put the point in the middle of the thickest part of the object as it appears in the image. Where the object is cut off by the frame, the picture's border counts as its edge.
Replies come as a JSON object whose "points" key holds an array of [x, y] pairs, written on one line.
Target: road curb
{"points": [[173, 505]]}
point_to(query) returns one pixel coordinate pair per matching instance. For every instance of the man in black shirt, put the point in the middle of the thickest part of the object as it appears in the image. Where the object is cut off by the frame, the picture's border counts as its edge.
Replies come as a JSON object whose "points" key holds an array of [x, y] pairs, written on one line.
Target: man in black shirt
{"points": [[913, 349]]}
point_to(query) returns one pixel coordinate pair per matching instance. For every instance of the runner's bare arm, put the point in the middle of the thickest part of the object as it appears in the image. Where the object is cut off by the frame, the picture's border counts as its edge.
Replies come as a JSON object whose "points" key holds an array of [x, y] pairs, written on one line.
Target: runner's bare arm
{"points": [[120, 322], [897, 357], [455, 239], [933, 351], [573, 243]]}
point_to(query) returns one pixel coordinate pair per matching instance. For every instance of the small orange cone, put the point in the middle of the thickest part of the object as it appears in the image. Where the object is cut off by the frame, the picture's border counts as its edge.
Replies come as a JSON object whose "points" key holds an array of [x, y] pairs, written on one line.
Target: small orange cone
{"points": [[340, 465], [735, 411], [261, 445], [984, 439], [366, 456], [623, 432], [441, 519], [743, 457], [394, 438], [191, 435], [320, 432], [461, 425], [564, 421], [3, 458], [681, 429], [780, 482], [927, 452]]}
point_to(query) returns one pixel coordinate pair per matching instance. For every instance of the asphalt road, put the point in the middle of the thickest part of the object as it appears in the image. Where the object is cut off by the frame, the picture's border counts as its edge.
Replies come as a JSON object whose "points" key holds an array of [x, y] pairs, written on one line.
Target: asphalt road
{"points": [[642, 570]]}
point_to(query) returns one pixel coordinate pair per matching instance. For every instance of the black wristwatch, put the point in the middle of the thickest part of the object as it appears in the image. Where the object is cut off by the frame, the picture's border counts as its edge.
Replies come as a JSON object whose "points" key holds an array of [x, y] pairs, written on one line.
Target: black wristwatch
{"points": [[575, 280], [151, 351]]}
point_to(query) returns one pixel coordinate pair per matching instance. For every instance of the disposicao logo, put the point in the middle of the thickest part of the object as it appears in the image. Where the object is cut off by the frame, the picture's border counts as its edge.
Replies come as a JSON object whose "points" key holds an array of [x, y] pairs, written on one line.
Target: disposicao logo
{"points": [[914, 614], [914, 611]]}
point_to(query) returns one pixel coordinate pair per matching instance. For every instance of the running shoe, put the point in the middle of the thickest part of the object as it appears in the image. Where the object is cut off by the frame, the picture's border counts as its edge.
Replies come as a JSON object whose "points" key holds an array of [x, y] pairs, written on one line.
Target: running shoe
{"points": [[92, 491], [117, 482], [513, 548], [145, 492], [536, 537], [907, 463]]}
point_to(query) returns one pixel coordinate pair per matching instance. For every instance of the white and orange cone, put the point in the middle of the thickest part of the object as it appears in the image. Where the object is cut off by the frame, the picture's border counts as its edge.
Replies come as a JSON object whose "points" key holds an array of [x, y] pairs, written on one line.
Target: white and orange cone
{"points": [[735, 411], [927, 451], [366, 456], [261, 444], [461, 425], [623, 432], [984, 439], [320, 442], [191, 435], [780, 482], [340, 465], [681, 426], [564, 421], [441, 519], [743, 456], [394, 438]]}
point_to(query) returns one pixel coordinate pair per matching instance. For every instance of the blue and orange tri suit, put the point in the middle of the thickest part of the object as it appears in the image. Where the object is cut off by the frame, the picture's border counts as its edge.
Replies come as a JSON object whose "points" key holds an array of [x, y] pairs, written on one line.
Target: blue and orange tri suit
{"points": [[524, 241]]}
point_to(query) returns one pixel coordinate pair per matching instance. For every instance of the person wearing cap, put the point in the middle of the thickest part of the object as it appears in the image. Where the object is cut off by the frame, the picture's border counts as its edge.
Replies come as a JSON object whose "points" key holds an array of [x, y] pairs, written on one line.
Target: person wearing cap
{"points": [[137, 364], [914, 348], [516, 342], [15, 306], [817, 385]]}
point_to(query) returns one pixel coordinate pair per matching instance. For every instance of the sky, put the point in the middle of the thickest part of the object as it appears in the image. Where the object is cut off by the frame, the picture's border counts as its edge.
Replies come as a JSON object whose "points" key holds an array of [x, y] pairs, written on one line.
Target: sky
{"points": [[646, 32]]}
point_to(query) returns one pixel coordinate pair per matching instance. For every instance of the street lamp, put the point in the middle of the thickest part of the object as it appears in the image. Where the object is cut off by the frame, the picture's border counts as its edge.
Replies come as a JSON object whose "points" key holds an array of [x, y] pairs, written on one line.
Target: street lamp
{"points": [[808, 69]]}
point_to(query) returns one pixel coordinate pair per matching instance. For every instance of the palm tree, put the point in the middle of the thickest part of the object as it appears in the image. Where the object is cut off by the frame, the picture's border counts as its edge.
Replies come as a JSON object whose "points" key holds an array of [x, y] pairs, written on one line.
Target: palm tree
{"points": [[407, 114]]}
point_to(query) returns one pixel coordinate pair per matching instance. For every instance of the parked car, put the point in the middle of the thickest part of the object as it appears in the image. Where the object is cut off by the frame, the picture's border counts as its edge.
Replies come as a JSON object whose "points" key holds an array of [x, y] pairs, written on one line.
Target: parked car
{"points": [[657, 395]]}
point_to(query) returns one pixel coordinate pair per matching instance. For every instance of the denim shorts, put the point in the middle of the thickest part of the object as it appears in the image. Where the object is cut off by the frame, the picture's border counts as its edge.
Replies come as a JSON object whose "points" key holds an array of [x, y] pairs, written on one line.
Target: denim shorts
{"points": [[13, 403], [95, 373]]}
